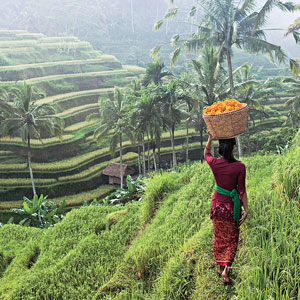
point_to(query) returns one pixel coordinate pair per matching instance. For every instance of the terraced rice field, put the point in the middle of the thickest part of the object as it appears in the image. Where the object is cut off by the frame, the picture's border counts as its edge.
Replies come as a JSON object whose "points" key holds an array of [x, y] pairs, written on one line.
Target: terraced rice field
{"points": [[74, 76]]}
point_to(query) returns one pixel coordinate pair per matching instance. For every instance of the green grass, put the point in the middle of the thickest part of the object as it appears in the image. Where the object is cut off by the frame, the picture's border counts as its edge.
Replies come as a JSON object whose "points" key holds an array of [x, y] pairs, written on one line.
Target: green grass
{"points": [[96, 168], [92, 244], [4, 32], [134, 69], [68, 76], [59, 39], [23, 182], [34, 142], [77, 109], [71, 200], [72, 95], [103, 58], [22, 43], [161, 248]]}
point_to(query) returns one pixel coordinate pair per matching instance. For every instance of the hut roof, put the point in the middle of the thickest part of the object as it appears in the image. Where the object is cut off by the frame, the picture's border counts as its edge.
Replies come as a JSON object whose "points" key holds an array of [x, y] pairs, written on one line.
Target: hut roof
{"points": [[113, 169]]}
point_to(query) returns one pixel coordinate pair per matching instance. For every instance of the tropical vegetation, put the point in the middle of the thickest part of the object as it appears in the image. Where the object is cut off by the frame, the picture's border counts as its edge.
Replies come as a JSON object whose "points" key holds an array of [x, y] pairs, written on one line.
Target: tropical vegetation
{"points": [[151, 237]]}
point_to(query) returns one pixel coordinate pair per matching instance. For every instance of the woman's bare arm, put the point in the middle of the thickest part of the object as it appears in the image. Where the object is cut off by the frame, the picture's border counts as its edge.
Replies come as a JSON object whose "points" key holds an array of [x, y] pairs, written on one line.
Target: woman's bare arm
{"points": [[208, 144], [245, 205]]}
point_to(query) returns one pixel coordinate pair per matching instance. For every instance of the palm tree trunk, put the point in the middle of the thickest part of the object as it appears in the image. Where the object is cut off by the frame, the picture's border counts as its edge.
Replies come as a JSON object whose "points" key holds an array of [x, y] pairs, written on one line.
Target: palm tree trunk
{"points": [[233, 96], [144, 156], [187, 142], [29, 164], [249, 152], [121, 161], [158, 152], [154, 159], [139, 159], [31, 174], [172, 130], [131, 10], [201, 145], [148, 146]]}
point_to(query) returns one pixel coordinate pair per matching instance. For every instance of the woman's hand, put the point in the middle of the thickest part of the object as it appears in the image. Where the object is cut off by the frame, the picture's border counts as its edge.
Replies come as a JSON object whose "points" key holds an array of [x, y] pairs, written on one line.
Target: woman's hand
{"points": [[244, 216], [210, 136]]}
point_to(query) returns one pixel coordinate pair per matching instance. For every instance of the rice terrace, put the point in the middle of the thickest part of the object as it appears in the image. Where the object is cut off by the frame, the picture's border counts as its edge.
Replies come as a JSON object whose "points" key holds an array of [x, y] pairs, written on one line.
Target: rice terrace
{"points": [[149, 150]]}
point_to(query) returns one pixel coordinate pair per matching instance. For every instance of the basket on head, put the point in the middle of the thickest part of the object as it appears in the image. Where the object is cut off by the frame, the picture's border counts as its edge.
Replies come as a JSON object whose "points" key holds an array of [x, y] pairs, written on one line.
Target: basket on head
{"points": [[228, 124]]}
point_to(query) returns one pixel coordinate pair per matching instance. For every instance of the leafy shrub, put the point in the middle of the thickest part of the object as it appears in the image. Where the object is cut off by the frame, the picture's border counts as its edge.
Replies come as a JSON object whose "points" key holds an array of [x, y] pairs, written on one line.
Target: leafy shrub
{"points": [[39, 212], [134, 191]]}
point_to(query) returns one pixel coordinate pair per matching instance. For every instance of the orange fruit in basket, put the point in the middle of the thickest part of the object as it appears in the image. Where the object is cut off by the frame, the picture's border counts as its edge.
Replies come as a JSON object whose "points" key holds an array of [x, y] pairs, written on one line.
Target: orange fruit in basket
{"points": [[223, 106]]}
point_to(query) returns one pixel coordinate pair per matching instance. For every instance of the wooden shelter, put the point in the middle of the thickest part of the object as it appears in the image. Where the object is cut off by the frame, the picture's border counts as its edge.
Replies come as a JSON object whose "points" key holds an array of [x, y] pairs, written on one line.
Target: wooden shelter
{"points": [[114, 173]]}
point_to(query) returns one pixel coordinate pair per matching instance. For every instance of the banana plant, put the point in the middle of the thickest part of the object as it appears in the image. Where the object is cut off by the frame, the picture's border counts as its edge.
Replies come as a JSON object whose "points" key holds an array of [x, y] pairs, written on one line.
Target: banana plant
{"points": [[40, 212]]}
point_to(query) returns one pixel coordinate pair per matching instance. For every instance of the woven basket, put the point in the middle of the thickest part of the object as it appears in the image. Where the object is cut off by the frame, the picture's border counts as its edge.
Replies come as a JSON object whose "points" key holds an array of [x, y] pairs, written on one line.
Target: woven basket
{"points": [[228, 124]]}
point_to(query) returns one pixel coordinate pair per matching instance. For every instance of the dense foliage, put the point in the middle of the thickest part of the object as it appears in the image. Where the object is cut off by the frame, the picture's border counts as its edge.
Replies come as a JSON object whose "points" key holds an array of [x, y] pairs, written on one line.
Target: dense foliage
{"points": [[160, 248]]}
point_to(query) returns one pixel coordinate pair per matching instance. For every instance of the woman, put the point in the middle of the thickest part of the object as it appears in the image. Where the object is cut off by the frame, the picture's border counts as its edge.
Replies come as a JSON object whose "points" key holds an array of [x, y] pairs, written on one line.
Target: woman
{"points": [[230, 177]]}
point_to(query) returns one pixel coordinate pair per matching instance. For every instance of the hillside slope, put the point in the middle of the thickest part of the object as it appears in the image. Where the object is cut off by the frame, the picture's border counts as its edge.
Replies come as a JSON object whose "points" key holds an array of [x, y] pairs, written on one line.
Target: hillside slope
{"points": [[73, 76], [161, 248]]}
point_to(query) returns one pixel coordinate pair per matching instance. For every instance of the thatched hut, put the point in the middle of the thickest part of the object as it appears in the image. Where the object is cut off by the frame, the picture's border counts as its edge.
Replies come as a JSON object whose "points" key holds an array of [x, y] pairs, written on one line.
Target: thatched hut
{"points": [[114, 173]]}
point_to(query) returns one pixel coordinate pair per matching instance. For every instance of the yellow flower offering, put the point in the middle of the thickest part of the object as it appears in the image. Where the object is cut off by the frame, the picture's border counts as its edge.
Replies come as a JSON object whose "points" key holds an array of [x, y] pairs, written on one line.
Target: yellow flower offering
{"points": [[223, 106]]}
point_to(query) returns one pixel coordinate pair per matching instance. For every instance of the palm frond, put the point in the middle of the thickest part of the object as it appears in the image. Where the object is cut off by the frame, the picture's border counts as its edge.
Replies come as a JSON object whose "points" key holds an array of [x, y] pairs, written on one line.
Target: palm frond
{"points": [[174, 56], [294, 67], [94, 117], [293, 28], [255, 45], [114, 143], [157, 25], [292, 101], [11, 127], [192, 11], [261, 15], [154, 51], [286, 6], [171, 13]]}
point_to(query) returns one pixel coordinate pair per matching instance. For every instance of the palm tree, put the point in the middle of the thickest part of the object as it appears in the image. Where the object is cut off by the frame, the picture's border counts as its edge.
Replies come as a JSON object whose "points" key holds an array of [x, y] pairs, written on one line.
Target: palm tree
{"points": [[155, 72], [226, 24], [256, 94], [293, 102], [24, 117], [132, 17], [210, 83], [113, 119], [173, 110], [148, 120]]}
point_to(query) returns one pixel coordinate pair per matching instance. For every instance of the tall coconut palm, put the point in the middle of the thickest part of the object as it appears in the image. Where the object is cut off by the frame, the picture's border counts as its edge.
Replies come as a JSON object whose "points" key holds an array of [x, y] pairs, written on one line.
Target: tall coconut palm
{"points": [[24, 117], [132, 17], [209, 83], [113, 119], [173, 111], [294, 102], [256, 94], [148, 119], [226, 24], [155, 72]]}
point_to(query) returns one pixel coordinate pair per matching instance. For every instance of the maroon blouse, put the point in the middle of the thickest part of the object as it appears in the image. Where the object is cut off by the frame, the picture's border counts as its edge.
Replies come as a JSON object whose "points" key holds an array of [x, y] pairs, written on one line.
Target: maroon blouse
{"points": [[228, 176]]}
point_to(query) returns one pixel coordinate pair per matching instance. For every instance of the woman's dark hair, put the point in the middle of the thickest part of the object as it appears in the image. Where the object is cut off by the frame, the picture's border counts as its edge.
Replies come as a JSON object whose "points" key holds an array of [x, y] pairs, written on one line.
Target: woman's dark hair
{"points": [[226, 149]]}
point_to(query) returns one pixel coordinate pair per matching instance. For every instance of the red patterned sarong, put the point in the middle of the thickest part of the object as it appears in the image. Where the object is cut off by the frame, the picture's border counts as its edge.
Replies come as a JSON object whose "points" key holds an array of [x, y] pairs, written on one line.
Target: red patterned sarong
{"points": [[225, 240]]}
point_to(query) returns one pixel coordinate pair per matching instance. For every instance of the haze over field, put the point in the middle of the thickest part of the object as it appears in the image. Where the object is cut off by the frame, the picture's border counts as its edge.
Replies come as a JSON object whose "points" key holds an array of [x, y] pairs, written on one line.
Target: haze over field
{"points": [[105, 23]]}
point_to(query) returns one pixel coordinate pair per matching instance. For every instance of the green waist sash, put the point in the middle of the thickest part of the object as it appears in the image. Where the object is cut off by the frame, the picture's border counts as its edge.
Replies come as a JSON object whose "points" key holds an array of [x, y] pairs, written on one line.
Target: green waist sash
{"points": [[236, 201]]}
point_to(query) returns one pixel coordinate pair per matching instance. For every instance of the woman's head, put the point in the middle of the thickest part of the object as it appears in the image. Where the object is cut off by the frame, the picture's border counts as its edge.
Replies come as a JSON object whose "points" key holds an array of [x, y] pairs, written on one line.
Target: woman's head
{"points": [[226, 147]]}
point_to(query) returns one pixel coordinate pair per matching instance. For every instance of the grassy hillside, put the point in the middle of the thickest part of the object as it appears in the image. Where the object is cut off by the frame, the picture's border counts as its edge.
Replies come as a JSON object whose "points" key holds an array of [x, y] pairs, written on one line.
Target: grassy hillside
{"points": [[161, 248], [73, 75]]}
